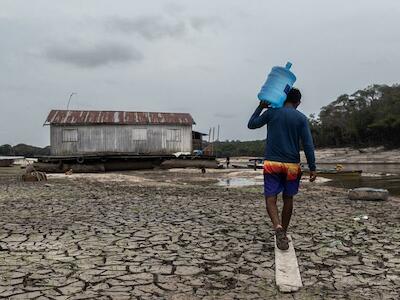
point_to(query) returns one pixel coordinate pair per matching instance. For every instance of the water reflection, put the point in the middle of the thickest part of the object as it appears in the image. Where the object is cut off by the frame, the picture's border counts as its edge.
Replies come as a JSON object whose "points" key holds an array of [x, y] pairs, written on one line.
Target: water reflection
{"points": [[391, 183], [238, 182], [374, 178], [382, 176]]}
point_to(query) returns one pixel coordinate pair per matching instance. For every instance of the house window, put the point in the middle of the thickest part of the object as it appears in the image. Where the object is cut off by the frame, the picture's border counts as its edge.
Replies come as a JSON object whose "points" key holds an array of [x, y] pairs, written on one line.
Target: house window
{"points": [[139, 134], [173, 135], [70, 135]]}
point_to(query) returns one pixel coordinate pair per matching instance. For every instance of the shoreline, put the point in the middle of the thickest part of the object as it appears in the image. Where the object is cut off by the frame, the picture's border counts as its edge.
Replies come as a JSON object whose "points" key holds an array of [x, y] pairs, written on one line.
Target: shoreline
{"points": [[369, 155]]}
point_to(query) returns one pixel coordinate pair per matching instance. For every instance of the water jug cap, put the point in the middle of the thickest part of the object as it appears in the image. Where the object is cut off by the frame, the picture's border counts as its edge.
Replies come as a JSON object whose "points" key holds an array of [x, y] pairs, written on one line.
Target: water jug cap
{"points": [[288, 65]]}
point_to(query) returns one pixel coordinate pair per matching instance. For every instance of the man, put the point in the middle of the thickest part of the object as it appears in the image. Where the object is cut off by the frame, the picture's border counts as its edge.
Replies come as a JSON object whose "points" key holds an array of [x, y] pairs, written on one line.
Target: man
{"points": [[286, 127]]}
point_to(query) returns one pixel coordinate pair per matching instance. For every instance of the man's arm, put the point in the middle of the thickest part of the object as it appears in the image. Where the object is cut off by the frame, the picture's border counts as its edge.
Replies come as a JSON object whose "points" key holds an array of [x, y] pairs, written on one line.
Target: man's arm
{"points": [[308, 146], [257, 120]]}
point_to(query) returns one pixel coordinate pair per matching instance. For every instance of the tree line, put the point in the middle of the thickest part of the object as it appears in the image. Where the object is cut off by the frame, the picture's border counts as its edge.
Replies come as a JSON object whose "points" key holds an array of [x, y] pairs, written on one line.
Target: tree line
{"points": [[23, 150], [369, 117], [238, 148]]}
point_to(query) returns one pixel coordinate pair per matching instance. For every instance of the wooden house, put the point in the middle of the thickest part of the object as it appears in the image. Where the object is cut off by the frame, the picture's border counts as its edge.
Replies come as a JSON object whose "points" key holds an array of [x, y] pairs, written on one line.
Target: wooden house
{"points": [[80, 132]]}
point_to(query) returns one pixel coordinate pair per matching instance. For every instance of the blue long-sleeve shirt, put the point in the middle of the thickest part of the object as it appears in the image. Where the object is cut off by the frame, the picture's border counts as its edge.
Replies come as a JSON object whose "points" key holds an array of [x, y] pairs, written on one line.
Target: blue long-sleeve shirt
{"points": [[286, 127]]}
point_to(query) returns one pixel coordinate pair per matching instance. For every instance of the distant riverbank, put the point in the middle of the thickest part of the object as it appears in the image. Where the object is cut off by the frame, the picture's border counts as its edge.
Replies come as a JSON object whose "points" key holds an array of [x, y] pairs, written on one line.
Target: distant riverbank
{"points": [[372, 155], [351, 155]]}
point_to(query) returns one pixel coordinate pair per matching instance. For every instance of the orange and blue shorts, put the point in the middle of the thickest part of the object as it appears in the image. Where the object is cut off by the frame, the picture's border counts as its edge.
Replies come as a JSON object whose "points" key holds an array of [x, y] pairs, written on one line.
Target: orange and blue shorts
{"points": [[281, 177]]}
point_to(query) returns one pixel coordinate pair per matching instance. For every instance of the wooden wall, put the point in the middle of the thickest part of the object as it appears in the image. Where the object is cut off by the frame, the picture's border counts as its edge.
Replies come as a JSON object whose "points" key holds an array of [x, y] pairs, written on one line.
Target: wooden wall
{"points": [[148, 139]]}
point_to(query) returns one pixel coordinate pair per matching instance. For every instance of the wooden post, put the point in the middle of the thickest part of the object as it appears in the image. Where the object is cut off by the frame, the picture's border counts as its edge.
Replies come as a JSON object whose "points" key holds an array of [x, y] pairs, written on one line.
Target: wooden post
{"points": [[213, 139]]}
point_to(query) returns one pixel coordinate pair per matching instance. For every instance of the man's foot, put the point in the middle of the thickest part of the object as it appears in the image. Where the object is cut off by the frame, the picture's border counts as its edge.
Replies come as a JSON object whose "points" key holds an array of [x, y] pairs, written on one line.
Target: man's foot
{"points": [[282, 242]]}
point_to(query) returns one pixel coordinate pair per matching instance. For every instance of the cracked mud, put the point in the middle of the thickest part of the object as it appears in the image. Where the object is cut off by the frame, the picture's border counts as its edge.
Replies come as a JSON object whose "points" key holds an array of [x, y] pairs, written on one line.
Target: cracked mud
{"points": [[187, 238]]}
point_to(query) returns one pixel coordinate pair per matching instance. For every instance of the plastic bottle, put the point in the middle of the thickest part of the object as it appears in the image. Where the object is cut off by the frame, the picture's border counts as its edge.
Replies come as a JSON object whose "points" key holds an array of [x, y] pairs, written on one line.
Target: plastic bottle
{"points": [[279, 82]]}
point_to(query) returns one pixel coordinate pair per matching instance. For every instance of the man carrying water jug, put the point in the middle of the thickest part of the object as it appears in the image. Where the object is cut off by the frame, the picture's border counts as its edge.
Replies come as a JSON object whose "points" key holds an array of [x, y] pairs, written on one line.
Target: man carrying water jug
{"points": [[286, 127]]}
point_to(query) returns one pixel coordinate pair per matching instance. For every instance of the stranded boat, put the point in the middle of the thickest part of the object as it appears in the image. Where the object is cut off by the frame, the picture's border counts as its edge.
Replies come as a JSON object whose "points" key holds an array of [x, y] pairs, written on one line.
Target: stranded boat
{"points": [[254, 163], [6, 162], [328, 173]]}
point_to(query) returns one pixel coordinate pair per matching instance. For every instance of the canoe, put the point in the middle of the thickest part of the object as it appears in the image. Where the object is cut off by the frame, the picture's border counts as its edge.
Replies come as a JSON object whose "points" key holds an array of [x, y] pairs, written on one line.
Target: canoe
{"points": [[258, 166], [239, 166], [249, 166], [328, 173]]}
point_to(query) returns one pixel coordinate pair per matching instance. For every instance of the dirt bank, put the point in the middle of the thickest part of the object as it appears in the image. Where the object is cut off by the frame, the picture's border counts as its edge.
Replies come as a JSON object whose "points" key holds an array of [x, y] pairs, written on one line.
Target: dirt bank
{"points": [[350, 155], [346, 155]]}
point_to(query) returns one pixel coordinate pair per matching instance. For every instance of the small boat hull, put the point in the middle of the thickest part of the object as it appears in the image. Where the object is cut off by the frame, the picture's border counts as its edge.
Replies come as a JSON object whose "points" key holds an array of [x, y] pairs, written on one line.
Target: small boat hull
{"points": [[257, 166], [239, 166], [335, 173], [6, 162]]}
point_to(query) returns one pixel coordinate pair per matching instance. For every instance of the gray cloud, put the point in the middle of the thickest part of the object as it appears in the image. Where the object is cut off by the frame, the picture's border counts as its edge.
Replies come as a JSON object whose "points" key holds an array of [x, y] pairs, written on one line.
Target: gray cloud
{"points": [[200, 23], [149, 27], [156, 27], [92, 56], [216, 71]]}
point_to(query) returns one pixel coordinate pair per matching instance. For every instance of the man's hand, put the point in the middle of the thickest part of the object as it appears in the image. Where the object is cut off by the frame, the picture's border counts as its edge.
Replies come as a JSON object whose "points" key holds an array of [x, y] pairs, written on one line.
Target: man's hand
{"points": [[313, 176], [263, 104]]}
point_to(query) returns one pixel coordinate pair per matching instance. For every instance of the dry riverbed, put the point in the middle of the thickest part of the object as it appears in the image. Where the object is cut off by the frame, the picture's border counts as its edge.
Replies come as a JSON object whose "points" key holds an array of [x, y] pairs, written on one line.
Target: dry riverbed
{"points": [[178, 235]]}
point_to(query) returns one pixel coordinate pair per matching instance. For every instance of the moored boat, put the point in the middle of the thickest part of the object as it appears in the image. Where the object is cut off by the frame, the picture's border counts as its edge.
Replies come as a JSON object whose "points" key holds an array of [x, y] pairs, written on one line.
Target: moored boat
{"points": [[235, 166], [256, 163], [328, 173], [6, 162]]}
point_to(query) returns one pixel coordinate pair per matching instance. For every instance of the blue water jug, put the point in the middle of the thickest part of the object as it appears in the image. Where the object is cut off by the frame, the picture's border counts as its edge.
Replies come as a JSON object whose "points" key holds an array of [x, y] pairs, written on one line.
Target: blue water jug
{"points": [[277, 86]]}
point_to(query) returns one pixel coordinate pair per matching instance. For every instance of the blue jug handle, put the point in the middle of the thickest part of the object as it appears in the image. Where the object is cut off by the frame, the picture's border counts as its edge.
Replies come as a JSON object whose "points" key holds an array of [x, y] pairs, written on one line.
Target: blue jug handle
{"points": [[288, 65]]}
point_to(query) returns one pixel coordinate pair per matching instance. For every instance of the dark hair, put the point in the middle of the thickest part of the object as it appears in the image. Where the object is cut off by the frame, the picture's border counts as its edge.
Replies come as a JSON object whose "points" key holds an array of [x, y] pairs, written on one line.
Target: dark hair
{"points": [[294, 96]]}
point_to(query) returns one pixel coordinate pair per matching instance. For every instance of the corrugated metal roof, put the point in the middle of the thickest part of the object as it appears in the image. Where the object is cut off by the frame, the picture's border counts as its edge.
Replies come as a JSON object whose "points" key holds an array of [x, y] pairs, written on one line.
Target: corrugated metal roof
{"points": [[85, 117]]}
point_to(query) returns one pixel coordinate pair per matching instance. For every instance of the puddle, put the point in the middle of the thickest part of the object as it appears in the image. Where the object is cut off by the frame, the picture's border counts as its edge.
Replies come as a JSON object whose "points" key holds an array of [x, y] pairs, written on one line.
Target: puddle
{"points": [[238, 182], [391, 183]]}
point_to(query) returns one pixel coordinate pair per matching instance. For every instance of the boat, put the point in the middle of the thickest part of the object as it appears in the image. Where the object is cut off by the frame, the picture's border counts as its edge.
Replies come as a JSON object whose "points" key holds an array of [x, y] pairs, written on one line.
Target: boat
{"points": [[6, 162], [256, 163], [239, 166], [332, 173]]}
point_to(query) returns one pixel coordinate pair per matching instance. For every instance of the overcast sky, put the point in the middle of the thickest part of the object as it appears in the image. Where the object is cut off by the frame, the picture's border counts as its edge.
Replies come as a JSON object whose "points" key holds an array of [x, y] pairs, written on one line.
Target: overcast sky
{"points": [[208, 58]]}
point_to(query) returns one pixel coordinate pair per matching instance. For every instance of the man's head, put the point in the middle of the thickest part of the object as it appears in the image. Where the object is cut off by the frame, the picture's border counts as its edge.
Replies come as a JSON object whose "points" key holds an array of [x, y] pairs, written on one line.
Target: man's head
{"points": [[294, 97]]}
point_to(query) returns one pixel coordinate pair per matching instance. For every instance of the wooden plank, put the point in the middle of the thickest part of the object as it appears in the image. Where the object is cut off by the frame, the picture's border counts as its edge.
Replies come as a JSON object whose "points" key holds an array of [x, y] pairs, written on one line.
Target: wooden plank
{"points": [[287, 273]]}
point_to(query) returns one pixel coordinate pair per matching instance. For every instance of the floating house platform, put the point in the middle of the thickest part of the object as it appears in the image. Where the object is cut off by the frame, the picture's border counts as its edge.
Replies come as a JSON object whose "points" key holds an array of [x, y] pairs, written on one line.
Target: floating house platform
{"points": [[98, 141], [102, 162]]}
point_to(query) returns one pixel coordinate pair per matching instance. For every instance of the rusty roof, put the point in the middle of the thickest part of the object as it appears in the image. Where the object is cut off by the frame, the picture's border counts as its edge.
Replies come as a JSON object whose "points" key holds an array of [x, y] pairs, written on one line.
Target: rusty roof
{"points": [[90, 117]]}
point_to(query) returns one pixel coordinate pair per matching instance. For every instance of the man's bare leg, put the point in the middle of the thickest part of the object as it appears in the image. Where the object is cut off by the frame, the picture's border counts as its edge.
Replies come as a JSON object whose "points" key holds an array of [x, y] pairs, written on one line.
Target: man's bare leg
{"points": [[272, 210], [287, 211]]}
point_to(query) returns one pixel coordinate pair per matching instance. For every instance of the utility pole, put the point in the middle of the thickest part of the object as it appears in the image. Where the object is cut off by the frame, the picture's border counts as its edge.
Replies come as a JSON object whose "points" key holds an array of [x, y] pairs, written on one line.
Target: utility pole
{"points": [[69, 100]]}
